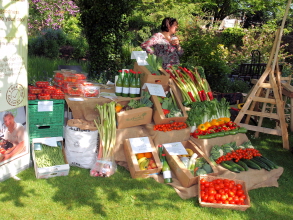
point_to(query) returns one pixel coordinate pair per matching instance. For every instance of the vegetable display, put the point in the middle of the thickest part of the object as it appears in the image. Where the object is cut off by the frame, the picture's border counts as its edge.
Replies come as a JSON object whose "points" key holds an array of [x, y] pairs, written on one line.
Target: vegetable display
{"points": [[196, 165], [49, 156], [194, 87], [169, 105], [202, 112], [170, 127], [240, 158]]}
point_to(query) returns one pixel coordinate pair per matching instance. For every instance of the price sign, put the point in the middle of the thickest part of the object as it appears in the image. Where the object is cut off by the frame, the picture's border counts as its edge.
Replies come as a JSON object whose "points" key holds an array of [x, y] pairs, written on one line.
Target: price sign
{"points": [[140, 145], [175, 148], [45, 106], [155, 89], [140, 57]]}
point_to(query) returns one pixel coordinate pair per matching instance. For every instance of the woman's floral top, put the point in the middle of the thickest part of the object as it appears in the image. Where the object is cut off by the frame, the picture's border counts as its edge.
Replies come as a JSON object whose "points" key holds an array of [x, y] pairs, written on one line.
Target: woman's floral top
{"points": [[162, 48]]}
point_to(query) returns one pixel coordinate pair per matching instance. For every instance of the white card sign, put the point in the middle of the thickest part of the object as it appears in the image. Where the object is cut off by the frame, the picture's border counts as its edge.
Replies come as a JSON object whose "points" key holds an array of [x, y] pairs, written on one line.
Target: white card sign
{"points": [[51, 141], [140, 57], [175, 148], [140, 145], [155, 89], [45, 106]]}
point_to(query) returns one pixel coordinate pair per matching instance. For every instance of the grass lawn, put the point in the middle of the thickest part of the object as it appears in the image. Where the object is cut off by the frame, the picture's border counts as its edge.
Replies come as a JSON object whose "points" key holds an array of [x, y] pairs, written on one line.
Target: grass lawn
{"points": [[80, 196]]}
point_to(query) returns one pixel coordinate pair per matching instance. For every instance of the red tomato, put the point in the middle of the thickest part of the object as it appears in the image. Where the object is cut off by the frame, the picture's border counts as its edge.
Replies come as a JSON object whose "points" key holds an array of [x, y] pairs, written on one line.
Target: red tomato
{"points": [[221, 191], [217, 187], [202, 187], [212, 192], [231, 194], [240, 192], [203, 180], [207, 184], [218, 196], [211, 198], [221, 185], [204, 198], [239, 186], [223, 197], [232, 202], [226, 202]]}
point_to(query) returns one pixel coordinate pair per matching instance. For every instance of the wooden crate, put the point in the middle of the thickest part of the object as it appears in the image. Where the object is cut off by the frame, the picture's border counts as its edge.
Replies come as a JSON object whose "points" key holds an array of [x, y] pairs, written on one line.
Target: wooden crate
{"points": [[224, 206]]}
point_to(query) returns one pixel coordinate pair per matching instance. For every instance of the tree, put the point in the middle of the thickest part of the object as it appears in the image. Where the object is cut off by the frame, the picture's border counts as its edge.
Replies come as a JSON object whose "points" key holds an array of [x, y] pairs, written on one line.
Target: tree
{"points": [[104, 24]]}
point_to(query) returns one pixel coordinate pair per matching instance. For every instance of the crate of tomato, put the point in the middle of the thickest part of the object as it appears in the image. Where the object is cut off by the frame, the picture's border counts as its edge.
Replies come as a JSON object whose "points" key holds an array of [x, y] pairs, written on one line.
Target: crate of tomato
{"points": [[219, 192]]}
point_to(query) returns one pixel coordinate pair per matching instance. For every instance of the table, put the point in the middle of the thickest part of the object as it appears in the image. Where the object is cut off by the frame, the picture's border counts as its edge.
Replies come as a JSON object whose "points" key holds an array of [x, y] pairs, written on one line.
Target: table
{"points": [[84, 108]]}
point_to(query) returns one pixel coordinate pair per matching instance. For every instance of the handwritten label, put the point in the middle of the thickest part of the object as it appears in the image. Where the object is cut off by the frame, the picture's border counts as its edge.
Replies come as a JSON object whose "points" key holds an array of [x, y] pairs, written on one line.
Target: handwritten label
{"points": [[175, 148], [140, 145], [155, 89], [45, 106]]}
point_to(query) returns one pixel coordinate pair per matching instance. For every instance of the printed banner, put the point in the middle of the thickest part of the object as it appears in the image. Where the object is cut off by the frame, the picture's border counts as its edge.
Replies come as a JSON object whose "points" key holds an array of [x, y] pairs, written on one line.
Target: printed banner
{"points": [[14, 143]]}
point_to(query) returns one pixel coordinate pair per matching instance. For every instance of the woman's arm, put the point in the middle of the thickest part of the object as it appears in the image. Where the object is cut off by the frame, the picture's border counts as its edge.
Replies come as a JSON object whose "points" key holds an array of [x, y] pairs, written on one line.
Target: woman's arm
{"points": [[147, 45]]}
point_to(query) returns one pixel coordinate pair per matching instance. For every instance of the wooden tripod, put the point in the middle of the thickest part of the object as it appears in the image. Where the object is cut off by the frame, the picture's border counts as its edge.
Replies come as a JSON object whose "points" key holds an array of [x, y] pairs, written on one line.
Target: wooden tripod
{"points": [[274, 84]]}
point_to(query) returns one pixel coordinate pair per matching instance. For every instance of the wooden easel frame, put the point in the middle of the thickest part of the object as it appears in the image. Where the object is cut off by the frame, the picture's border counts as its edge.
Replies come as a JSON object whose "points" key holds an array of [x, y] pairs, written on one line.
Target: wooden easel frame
{"points": [[274, 84]]}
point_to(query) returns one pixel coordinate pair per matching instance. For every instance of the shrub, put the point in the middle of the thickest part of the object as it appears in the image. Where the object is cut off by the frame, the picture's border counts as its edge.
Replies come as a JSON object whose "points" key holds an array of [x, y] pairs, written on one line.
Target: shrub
{"points": [[47, 44], [202, 49], [232, 36]]}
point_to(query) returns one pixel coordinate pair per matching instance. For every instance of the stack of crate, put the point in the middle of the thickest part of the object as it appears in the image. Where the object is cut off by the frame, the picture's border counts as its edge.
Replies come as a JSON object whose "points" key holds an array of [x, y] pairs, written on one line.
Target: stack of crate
{"points": [[48, 123]]}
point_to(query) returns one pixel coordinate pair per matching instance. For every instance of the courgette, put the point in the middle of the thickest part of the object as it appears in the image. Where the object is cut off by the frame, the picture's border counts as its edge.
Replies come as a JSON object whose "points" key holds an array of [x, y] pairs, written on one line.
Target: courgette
{"points": [[228, 167], [261, 164], [251, 164], [266, 162], [244, 165], [269, 161], [233, 164]]}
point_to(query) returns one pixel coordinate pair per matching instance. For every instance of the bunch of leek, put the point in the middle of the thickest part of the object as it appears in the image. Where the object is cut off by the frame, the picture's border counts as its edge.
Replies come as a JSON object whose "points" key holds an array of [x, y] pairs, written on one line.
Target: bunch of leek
{"points": [[106, 125]]}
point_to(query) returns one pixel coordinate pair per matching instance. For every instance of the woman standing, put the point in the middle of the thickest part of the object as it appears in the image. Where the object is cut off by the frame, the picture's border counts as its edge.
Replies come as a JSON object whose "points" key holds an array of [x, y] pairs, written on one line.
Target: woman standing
{"points": [[164, 44]]}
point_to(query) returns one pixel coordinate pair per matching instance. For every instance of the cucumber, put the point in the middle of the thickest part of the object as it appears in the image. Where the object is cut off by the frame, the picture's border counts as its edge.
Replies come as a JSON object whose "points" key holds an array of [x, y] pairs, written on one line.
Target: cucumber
{"points": [[269, 161], [244, 165], [265, 162], [228, 167], [233, 164], [261, 164], [251, 164]]}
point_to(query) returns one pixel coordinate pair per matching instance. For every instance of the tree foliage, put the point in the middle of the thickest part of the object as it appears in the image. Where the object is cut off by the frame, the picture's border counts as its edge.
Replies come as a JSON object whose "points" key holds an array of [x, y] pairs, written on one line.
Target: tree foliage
{"points": [[45, 14], [104, 24]]}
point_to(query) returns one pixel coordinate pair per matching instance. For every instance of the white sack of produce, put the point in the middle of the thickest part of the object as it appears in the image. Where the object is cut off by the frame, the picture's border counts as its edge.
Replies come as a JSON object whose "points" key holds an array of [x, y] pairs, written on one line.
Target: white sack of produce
{"points": [[80, 147]]}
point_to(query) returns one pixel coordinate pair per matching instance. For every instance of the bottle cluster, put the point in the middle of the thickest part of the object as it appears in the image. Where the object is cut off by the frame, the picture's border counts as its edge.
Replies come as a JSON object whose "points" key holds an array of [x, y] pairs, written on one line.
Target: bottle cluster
{"points": [[128, 84]]}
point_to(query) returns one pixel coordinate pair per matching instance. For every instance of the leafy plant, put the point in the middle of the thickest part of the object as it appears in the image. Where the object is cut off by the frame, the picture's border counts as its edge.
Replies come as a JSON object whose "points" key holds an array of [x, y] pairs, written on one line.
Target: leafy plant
{"points": [[232, 36]]}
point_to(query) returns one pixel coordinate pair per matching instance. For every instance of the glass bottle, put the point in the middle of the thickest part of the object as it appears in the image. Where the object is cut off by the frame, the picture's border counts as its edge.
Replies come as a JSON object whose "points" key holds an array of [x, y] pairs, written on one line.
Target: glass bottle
{"points": [[160, 149], [138, 85], [125, 85], [166, 170], [118, 87], [132, 87]]}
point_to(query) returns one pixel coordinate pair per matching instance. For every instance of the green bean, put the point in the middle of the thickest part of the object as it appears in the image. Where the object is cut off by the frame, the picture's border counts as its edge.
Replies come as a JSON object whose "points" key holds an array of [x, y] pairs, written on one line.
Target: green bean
{"points": [[49, 156]]}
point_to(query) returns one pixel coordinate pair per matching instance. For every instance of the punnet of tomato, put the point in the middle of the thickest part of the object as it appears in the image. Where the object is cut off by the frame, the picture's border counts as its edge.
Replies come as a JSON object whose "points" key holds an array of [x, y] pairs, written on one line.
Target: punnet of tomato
{"points": [[219, 192], [44, 96], [42, 84], [31, 96]]}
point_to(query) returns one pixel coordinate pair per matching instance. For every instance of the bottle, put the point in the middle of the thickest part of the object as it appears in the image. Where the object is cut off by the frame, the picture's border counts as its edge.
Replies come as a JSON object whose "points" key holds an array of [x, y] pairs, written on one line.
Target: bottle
{"points": [[160, 150], [166, 170], [132, 87], [125, 85], [118, 87], [138, 85]]}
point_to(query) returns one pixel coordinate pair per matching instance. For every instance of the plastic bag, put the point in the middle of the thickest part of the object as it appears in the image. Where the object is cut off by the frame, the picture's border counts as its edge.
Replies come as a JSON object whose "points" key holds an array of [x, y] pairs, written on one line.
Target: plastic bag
{"points": [[80, 147], [103, 168]]}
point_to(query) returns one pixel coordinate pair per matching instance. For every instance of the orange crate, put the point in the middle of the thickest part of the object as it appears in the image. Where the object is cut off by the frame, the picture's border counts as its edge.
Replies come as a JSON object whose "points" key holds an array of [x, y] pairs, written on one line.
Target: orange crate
{"points": [[224, 206]]}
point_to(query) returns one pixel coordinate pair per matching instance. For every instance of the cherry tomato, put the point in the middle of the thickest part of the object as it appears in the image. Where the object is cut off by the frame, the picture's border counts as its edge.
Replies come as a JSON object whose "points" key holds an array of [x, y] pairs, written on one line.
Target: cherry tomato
{"points": [[239, 192], [239, 186]]}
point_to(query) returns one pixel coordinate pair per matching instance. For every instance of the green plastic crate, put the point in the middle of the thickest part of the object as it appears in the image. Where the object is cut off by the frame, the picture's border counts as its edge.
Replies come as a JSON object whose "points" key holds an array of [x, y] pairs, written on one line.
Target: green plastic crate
{"points": [[48, 117], [42, 131]]}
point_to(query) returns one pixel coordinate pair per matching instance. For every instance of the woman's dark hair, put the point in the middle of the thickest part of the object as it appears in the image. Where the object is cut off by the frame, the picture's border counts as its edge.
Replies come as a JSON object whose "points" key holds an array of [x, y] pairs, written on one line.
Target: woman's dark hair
{"points": [[167, 23]]}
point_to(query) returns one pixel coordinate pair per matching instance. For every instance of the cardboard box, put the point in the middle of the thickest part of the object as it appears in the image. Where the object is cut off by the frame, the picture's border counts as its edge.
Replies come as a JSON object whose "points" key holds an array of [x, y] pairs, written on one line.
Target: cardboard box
{"points": [[184, 176], [48, 172], [133, 163], [225, 206], [158, 115], [147, 77], [134, 117]]}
